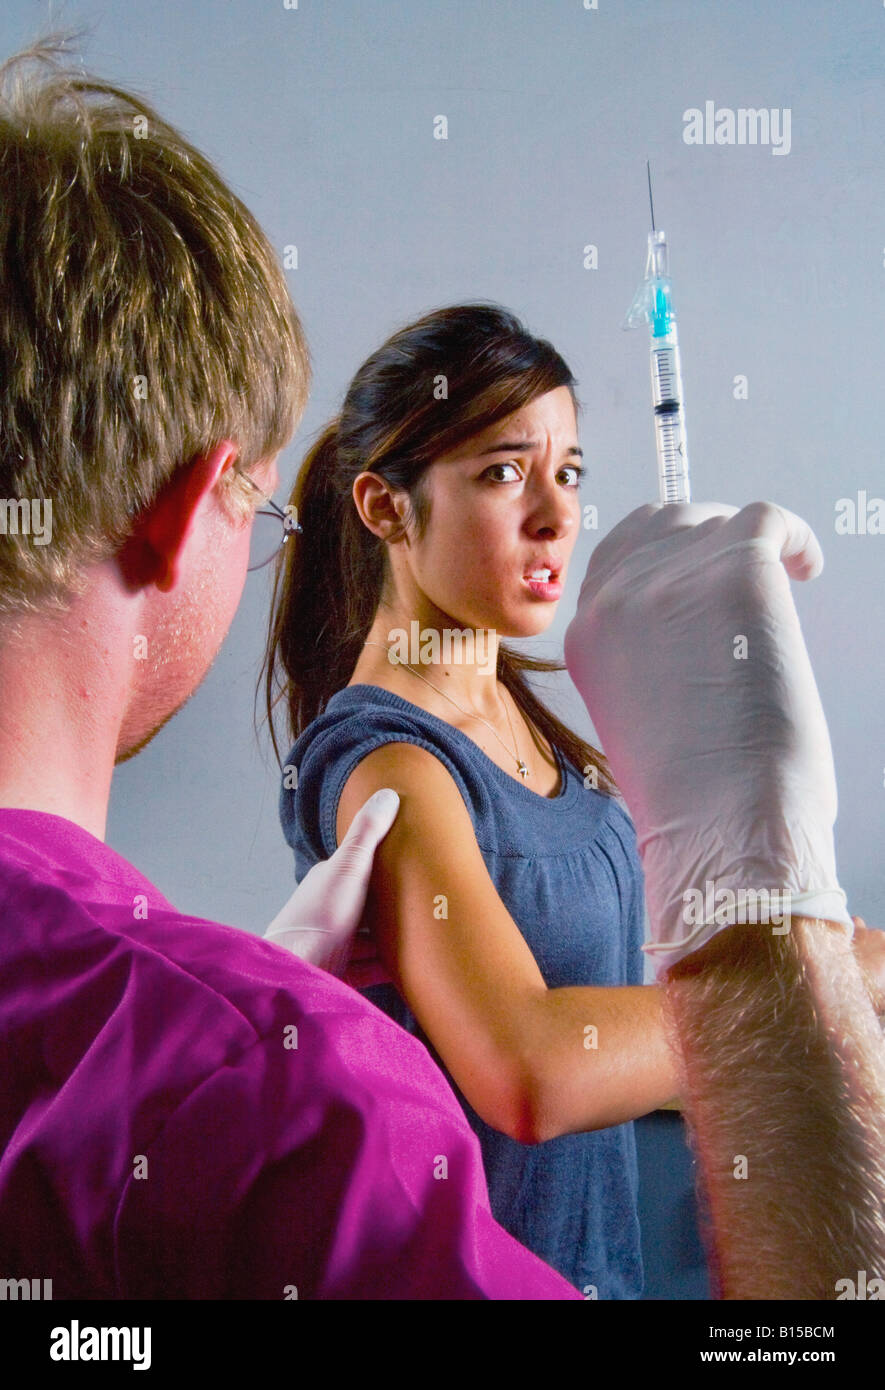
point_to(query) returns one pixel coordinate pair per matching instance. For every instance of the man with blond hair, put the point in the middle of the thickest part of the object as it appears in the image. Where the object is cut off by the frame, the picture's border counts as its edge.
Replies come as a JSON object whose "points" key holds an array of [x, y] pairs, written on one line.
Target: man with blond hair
{"points": [[188, 1111]]}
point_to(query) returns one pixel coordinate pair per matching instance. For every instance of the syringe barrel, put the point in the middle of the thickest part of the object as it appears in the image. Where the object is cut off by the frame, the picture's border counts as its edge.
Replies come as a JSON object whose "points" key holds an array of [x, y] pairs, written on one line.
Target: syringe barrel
{"points": [[669, 417]]}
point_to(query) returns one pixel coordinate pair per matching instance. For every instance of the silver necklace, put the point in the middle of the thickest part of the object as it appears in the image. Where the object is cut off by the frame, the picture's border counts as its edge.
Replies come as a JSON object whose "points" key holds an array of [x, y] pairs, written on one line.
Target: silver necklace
{"points": [[471, 714]]}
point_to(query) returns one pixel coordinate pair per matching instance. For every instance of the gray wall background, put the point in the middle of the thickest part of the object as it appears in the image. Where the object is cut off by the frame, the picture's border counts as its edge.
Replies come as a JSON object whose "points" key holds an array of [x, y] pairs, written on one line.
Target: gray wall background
{"points": [[321, 118]]}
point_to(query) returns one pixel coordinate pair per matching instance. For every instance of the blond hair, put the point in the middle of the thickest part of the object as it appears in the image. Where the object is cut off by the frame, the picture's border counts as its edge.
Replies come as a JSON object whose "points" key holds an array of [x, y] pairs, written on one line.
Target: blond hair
{"points": [[144, 317]]}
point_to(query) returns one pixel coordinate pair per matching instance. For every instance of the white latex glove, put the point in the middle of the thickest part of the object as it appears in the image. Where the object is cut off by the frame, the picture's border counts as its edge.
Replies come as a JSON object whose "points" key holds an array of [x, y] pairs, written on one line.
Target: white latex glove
{"points": [[725, 764], [320, 919]]}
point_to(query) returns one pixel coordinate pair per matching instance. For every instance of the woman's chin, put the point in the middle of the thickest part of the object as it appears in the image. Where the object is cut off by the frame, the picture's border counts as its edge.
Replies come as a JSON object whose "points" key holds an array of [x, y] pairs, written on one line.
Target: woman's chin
{"points": [[525, 620], [530, 624]]}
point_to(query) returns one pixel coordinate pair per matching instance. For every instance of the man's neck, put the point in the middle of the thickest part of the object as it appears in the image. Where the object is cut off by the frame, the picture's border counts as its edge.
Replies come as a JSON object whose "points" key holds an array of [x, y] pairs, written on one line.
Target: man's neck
{"points": [[61, 700]]}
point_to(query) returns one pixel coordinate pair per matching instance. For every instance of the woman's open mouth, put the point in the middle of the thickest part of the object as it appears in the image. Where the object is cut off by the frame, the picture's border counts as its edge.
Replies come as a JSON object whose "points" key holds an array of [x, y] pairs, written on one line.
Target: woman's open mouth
{"points": [[544, 582]]}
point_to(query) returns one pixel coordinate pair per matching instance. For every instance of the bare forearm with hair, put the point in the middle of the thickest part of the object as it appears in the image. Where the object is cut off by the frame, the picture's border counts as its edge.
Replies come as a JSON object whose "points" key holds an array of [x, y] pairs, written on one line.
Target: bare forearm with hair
{"points": [[783, 1082]]}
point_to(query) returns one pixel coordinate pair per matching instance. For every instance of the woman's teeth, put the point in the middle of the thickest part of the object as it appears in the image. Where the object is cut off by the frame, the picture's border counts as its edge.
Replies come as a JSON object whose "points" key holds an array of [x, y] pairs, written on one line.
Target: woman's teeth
{"points": [[543, 575]]}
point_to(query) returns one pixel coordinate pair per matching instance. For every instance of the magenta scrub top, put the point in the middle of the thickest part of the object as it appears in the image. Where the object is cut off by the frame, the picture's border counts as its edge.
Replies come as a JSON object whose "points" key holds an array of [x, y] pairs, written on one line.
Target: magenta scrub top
{"points": [[188, 1111]]}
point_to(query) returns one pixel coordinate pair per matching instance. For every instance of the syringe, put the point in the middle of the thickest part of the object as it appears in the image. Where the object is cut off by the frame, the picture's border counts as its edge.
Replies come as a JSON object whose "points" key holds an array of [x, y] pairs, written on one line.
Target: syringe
{"points": [[652, 304]]}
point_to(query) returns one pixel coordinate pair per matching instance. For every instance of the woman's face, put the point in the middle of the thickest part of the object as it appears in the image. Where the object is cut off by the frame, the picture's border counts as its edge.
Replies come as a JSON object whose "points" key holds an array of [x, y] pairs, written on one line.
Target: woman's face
{"points": [[502, 506]]}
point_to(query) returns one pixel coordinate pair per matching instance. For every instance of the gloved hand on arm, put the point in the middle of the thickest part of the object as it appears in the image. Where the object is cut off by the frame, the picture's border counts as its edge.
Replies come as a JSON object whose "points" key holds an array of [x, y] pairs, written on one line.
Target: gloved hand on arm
{"points": [[687, 650], [319, 921]]}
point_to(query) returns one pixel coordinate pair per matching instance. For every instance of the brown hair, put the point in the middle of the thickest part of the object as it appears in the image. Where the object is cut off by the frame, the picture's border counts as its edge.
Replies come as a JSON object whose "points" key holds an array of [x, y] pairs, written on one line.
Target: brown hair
{"points": [[144, 317], [329, 580]]}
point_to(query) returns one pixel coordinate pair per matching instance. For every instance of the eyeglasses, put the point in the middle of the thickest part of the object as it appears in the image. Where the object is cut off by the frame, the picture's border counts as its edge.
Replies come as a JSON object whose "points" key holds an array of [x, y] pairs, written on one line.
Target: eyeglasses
{"points": [[266, 540]]}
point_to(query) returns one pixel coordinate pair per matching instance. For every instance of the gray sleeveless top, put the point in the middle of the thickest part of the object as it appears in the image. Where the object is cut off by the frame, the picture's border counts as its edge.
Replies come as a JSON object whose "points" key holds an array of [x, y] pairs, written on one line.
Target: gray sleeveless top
{"points": [[568, 872]]}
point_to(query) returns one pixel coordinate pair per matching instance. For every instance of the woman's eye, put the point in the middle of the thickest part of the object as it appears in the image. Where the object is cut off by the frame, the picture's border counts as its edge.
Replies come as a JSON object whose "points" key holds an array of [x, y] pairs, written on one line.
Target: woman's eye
{"points": [[492, 468], [576, 469]]}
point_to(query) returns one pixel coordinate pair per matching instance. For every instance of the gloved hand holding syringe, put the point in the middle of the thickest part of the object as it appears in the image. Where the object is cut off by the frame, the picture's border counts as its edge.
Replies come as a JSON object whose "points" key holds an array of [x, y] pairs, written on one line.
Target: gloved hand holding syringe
{"points": [[687, 650]]}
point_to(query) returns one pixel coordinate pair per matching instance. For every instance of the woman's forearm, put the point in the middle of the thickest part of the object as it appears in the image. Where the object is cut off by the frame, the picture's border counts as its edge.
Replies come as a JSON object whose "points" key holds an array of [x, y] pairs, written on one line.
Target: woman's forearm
{"points": [[784, 1090], [593, 1057]]}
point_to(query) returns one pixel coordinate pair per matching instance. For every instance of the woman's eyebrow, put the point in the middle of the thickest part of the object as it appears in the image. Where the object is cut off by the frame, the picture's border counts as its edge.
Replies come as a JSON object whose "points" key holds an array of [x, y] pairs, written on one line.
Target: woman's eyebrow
{"points": [[523, 446]]}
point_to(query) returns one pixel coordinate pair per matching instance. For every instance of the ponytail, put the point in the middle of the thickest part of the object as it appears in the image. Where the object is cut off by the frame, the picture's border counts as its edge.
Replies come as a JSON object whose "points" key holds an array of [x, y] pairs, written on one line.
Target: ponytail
{"points": [[325, 593]]}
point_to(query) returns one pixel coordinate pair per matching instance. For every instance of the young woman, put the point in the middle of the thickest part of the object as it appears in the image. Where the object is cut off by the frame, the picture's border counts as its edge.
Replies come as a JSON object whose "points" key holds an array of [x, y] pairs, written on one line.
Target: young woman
{"points": [[506, 906]]}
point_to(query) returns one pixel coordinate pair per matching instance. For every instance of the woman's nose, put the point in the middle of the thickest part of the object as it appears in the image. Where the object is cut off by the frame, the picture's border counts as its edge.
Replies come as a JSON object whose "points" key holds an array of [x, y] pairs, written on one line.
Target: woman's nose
{"points": [[556, 510]]}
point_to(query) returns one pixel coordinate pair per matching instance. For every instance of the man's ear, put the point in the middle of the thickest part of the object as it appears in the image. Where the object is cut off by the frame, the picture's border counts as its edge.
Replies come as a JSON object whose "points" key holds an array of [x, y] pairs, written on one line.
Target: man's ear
{"points": [[152, 555]]}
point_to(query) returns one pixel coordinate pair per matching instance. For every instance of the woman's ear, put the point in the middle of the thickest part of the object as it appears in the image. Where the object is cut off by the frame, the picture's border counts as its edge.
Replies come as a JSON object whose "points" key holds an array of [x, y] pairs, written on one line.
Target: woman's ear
{"points": [[152, 555], [378, 508]]}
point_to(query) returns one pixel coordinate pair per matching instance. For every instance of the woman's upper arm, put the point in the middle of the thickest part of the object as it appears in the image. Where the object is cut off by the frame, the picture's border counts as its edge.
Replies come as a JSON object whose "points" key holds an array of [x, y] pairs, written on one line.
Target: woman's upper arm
{"points": [[445, 936]]}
